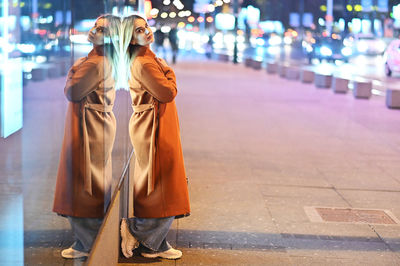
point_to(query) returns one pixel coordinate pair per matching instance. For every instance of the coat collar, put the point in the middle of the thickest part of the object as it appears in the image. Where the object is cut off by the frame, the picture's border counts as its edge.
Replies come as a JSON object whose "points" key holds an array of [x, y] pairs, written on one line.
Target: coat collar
{"points": [[97, 51], [145, 51]]}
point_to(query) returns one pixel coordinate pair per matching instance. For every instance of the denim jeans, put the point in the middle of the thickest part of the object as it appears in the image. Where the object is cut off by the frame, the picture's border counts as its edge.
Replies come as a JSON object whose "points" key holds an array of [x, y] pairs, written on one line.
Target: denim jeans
{"points": [[151, 233], [85, 231]]}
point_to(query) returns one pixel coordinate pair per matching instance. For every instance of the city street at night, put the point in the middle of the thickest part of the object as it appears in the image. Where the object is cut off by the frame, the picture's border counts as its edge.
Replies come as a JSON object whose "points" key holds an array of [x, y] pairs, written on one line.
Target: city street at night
{"points": [[200, 132], [261, 152]]}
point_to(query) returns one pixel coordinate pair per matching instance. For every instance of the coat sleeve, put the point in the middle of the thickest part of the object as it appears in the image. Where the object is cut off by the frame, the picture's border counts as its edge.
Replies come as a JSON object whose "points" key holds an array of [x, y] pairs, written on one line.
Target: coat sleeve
{"points": [[160, 84], [83, 81]]}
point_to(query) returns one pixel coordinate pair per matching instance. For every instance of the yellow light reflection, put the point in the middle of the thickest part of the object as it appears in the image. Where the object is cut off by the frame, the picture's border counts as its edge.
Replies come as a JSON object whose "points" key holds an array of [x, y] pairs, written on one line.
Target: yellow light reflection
{"points": [[358, 8], [349, 8]]}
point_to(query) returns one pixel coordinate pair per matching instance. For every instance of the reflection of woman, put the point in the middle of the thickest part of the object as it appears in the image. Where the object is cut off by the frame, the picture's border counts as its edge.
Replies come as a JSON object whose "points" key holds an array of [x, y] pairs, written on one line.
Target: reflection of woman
{"points": [[160, 187], [84, 173]]}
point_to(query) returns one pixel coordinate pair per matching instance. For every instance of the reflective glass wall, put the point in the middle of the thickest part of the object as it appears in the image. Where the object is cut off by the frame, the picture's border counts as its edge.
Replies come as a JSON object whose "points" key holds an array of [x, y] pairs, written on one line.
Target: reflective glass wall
{"points": [[40, 41]]}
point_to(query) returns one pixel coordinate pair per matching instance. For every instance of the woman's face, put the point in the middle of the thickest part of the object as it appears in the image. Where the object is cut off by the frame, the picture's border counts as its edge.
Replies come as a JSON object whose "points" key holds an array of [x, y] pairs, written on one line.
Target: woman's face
{"points": [[142, 34], [99, 32]]}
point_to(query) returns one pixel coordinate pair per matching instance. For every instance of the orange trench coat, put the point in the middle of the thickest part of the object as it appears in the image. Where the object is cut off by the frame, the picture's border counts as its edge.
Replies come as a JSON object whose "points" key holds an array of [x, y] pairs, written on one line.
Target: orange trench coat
{"points": [[85, 171], [160, 184]]}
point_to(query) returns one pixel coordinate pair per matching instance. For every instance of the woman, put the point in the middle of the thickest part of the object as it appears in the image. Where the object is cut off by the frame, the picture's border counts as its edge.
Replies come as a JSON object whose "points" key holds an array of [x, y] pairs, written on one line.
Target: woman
{"points": [[84, 172], [160, 184]]}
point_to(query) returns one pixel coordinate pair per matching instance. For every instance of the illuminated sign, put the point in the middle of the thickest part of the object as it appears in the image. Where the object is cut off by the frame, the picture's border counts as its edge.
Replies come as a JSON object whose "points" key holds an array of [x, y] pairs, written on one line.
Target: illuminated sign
{"points": [[396, 12], [383, 5], [366, 5], [147, 8], [224, 21]]}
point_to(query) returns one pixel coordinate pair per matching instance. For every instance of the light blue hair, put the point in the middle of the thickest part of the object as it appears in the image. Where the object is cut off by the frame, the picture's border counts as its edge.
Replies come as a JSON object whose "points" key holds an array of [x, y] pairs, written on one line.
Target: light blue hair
{"points": [[128, 50]]}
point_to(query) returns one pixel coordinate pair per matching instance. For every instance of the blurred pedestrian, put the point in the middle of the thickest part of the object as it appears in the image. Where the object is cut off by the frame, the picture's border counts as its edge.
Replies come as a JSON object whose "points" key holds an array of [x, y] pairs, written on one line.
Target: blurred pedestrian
{"points": [[209, 46], [84, 172], [159, 38], [160, 184], [173, 40]]}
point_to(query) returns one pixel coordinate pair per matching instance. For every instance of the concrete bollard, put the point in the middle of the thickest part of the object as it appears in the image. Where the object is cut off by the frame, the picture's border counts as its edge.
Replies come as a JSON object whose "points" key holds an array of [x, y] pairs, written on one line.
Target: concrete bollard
{"points": [[292, 73], [39, 73], [248, 62], [223, 57], [323, 80], [362, 88], [255, 64], [340, 84], [393, 98], [307, 76], [272, 67], [282, 70], [63, 66], [54, 71]]}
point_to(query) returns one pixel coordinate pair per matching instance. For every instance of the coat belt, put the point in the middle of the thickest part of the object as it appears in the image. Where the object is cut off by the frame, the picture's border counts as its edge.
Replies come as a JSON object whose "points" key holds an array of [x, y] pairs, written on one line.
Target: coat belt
{"points": [[87, 174], [152, 153]]}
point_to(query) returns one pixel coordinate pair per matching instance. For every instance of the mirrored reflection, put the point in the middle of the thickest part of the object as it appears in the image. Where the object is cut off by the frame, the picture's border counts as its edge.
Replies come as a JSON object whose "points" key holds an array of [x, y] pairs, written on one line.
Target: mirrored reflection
{"points": [[60, 117]]}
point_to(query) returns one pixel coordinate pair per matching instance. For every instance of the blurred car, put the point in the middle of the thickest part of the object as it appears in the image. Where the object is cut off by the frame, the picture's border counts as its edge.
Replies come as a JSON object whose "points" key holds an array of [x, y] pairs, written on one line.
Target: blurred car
{"points": [[328, 49], [392, 58], [368, 44], [290, 36], [269, 39]]}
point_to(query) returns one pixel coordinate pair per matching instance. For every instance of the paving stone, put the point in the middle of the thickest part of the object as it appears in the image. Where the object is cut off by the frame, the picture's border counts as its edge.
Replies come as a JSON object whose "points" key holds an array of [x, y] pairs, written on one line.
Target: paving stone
{"points": [[356, 178], [232, 257], [328, 259], [390, 235]]}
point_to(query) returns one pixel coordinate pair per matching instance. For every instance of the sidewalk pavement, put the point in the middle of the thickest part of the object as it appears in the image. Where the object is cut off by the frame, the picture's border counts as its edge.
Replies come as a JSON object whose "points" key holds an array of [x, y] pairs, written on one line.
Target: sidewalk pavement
{"points": [[258, 150]]}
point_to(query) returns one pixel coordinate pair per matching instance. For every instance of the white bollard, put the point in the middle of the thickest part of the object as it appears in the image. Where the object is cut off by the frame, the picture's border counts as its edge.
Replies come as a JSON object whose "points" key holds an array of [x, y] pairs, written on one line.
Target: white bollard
{"points": [[272, 67], [39, 73], [255, 64], [323, 80], [393, 98], [307, 76], [54, 71], [340, 84], [223, 57], [282, 70], [248, 62], [292, 73], [362, 88]]}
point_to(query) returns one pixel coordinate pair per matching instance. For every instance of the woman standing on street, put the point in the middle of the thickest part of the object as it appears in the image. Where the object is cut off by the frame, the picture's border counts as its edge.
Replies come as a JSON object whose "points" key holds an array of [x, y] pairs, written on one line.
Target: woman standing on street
{"points": [[84, 172], [160, 184]]}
